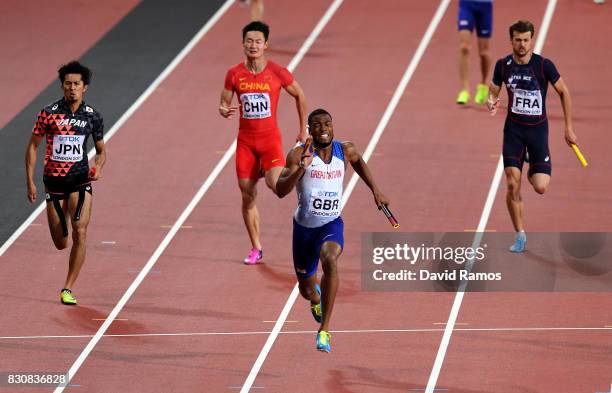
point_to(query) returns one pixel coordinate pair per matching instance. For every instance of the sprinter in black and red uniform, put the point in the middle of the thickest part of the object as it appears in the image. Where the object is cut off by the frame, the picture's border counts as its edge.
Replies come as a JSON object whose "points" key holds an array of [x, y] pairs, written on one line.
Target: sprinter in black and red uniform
{"points": [[66, 125], [527, 76]]}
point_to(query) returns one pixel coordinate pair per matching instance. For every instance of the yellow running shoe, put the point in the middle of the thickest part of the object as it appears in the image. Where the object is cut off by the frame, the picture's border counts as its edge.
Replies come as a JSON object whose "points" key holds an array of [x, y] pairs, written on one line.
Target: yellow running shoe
{"points": [[463, 97], [323, 343], [67, 298], [482, 93]]}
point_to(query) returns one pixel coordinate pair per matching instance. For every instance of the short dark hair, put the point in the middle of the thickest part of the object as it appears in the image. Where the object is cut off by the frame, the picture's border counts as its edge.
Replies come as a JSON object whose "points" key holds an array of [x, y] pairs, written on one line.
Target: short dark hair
{"points": [[74, 67], [317, 112], [256, 26], [521, 26]]}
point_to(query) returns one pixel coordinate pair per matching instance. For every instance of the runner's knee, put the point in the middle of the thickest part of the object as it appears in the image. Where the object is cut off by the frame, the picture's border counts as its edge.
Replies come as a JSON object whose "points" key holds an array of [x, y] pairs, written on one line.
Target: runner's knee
{"points": [[540, 188], [248, 195], [464, 48], [306, 290], [329, 263], [514, 188], [79, 234], [60, 241]]}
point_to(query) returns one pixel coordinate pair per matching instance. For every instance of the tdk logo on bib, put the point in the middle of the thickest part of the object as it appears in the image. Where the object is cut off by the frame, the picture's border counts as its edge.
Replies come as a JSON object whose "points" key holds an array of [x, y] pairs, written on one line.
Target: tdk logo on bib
{"points": [[68, 148], [255, 105], [329, 194], [324, 203]]}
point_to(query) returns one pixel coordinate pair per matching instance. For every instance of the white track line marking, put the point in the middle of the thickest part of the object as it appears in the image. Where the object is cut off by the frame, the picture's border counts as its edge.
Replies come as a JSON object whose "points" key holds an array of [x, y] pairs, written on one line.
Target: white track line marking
{"points": [[128, 113], [399, 91], [354, 331], [143, 273], [484, 218], [366, 155]]}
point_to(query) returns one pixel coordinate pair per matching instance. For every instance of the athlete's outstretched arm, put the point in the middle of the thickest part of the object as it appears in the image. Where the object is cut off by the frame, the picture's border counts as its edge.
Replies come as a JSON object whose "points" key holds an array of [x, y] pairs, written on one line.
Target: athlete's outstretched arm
{"points": [[293, 171], [359, 165], [100, 159], [300, 102], [493, 100], [566, 102], [225, 106], [30, 163]]}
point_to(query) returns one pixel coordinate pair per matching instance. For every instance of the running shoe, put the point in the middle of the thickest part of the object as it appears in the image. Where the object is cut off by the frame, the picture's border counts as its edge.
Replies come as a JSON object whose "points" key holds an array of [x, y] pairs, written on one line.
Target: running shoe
{"points": [[317, 309], [482, 93], [254, 256], [463, 97], [323, 341], [67, 298], [519, 242]]}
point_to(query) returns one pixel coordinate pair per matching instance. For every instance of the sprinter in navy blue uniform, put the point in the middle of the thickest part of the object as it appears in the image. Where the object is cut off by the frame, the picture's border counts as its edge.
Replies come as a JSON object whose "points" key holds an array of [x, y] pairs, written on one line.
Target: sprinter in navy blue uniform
{"points": [[66, 126], [474, 15], [527, 76]]}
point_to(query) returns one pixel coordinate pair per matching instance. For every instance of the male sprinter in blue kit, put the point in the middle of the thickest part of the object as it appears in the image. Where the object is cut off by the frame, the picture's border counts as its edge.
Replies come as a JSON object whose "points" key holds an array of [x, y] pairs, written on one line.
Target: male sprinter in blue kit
{"points": [[526, 76], [317, 170], [474, 15]]}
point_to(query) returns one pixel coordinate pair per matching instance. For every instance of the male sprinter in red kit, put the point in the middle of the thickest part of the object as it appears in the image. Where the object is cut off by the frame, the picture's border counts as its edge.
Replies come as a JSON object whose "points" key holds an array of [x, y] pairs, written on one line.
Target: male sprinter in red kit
{"points": [[257, 83]]}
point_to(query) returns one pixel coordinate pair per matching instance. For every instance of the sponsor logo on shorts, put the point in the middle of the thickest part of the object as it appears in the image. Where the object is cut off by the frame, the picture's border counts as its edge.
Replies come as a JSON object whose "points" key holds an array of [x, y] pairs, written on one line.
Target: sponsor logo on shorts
{"points": [[463, 22], [276, 159], [547, 159], [301, 271]]}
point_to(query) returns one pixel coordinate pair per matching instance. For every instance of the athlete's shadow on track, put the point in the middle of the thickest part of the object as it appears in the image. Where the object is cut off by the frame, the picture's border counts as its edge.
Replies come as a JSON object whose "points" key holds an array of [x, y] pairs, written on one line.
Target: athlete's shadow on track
{"points": [[89, 320], [339, 381]]}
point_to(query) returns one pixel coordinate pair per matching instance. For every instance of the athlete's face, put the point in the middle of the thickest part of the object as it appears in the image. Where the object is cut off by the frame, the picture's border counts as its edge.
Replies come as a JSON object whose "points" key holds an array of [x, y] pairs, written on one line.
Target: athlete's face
{"points": [[73, 87], [254, 44], [521, 43], [322, 130]]}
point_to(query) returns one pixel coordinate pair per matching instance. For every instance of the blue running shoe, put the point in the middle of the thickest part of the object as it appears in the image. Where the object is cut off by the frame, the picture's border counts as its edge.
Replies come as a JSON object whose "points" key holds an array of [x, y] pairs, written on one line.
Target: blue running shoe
{"points": [[317, 309], [323, 341], [519, 242]]}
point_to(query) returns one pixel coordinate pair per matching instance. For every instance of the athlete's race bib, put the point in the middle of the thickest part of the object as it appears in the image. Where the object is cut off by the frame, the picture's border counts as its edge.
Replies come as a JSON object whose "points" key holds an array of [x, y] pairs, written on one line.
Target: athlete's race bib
{"points": [[68, 148], [527, 102], [255, 105], [324, 203]]}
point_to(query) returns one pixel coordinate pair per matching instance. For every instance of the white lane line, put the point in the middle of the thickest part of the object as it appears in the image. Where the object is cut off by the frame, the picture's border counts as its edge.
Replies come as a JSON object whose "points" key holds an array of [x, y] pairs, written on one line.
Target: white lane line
{"points": [[399, 91], [143, 273], [353, 331], [130, 111], [368, 152], [484, 218]]}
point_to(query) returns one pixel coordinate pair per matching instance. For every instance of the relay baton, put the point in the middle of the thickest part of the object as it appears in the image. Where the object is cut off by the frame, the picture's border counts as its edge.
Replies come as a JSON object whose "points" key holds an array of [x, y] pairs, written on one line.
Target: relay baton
{"points": [[390, 216], [578, 153]]}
